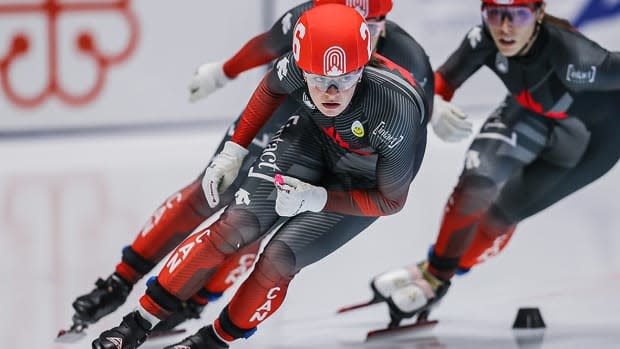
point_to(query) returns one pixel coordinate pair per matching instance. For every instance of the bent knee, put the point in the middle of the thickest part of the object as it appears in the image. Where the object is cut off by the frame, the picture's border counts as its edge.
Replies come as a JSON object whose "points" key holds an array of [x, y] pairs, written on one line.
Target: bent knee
{"points": [[277, 261], [475, 192]]}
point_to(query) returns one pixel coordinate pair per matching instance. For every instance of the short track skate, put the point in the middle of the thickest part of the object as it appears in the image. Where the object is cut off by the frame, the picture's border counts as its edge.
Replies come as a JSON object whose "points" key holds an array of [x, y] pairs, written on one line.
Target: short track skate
{"points": [[77, 331], [394, 328]]}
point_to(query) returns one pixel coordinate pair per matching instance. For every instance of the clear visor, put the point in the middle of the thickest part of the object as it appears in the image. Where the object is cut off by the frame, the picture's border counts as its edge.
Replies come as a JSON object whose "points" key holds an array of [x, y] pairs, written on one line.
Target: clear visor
{"points": [[516, 15], [341, 82], [375, 27]]}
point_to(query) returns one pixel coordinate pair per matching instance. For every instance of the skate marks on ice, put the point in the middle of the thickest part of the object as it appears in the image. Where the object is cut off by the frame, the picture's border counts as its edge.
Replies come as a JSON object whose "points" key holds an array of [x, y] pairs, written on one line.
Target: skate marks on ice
{"points": [[448, 334], [479, 328], [348, 332], [455, 335]]}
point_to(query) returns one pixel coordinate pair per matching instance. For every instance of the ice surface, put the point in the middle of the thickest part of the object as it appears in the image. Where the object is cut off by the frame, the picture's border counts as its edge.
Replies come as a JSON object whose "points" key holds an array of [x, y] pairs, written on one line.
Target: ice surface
{"points": [[68, 206]]}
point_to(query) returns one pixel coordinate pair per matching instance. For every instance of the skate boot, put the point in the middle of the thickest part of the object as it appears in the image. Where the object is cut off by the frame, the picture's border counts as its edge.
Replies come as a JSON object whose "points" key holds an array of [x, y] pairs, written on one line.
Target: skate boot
{"points": [[205, 338], [418, 297], [106, 297], [132, 332], [191, 310], [383, 285]]}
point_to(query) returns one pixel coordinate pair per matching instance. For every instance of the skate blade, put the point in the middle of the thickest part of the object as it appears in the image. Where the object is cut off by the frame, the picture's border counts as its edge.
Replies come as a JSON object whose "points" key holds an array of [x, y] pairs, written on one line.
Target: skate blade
{"points": [[166, 333], [72, 335], [356, 306], [420, 327]]}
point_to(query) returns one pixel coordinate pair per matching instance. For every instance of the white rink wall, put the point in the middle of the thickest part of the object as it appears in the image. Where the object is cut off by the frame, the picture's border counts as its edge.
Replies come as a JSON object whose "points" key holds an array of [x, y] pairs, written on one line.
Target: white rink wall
{"points": [[149, 83], [69, 204]]}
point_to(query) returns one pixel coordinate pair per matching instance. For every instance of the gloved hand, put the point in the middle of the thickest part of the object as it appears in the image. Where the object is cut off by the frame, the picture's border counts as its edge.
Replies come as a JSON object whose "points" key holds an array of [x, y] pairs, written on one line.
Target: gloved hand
{"points": [[222, 171], [449, 122], [208, 78], [295, 196]]}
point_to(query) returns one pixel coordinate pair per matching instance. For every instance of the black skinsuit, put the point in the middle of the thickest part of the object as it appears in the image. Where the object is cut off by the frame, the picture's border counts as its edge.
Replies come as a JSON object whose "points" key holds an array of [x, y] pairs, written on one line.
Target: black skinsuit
{"points": [[555, 132]]}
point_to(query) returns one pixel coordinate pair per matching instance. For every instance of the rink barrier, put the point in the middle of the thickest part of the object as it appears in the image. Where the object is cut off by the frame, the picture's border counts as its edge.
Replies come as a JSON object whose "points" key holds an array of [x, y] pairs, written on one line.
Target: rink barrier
{"points": [[113, 129], [475, 111]]}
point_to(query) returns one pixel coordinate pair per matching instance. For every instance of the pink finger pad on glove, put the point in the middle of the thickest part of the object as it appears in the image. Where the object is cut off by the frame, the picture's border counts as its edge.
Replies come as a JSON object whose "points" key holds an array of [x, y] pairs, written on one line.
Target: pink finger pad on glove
{"points": [[280, 184], [278, 179]]}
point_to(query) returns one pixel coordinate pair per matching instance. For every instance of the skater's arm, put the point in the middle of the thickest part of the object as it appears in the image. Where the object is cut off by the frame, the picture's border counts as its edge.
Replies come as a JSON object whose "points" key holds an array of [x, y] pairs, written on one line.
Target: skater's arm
{"points": [[266, 46], [264, 101], [473, 53]]}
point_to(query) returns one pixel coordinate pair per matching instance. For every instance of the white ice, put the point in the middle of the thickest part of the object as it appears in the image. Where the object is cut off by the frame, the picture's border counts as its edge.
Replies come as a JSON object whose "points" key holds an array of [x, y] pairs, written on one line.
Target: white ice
{"points": [[68, 206]]}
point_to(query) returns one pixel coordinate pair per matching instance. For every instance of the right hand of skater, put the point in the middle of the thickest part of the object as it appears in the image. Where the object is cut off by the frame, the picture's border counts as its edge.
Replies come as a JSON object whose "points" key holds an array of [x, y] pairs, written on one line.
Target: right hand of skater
{"points": [[449, 122], [208, 78], [222, 171]]}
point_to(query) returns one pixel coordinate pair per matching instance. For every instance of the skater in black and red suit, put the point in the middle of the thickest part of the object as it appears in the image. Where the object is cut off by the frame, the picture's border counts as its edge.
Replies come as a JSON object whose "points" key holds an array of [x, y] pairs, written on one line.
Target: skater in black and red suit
{"points": [[555, 133], [346, 156], [186, 209]]}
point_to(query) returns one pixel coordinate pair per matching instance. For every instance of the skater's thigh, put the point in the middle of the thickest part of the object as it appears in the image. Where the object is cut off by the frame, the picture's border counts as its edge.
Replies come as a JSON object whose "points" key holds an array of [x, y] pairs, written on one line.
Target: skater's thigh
{"points": [[293, 150], [511, 138], [544, 184], [312, 236]]}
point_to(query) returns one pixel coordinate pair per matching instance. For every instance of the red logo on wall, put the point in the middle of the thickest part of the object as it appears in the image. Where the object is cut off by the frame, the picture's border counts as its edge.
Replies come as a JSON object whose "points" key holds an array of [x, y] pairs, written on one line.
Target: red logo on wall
{"points": [[85, 42]]}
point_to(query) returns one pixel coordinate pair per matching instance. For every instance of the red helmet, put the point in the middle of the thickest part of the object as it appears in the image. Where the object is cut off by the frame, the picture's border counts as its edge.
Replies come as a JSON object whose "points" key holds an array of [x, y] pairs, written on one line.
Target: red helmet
{"points": [[511, 2], [367, 8], [331, 40]]}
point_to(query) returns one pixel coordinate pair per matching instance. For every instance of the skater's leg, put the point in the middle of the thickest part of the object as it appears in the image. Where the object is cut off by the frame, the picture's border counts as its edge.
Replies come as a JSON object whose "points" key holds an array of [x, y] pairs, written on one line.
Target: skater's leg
{"points": [[243, 223], [498, 153], [302, 241]]}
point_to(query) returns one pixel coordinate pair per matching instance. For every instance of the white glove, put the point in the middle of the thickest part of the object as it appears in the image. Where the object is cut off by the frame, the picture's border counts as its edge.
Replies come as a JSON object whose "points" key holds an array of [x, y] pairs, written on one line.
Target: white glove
{"points": [[449, 122], [295, 196], [222, 171], [208, 78]]}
